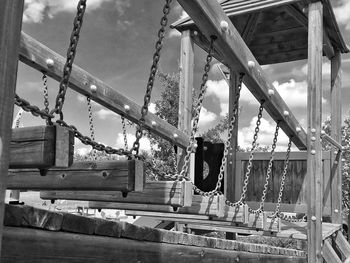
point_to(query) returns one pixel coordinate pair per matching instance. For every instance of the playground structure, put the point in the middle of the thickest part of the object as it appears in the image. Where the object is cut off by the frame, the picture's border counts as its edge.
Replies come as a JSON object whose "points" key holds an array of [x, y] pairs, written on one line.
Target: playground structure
{"points": [[240, 34]]}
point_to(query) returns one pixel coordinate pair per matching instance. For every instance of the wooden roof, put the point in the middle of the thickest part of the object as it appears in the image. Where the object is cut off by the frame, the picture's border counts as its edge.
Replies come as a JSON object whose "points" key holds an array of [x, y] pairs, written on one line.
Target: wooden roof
{"points": [[274, 30]]}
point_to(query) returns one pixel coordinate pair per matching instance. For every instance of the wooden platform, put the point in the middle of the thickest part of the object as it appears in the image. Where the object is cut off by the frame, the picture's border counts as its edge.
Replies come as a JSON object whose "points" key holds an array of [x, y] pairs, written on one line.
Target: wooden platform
{"points": [[35, 235]]}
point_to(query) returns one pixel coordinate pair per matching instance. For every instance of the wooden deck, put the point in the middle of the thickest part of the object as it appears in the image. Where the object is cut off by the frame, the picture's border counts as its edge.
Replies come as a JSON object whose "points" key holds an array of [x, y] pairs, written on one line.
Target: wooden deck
{"points": [[33, 235]]}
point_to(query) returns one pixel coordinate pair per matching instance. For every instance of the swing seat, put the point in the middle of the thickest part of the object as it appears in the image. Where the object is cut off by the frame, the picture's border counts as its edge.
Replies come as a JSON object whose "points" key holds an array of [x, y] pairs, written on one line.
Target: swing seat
{"points": [[172, 193], [41, 147], [124, 175]]}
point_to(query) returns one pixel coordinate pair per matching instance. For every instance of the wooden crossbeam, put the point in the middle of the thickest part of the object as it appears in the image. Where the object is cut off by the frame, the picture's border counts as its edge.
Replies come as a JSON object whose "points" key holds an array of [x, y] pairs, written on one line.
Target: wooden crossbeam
{"points": [[41, 147], [210, 206], [342, 244], [176, 194], [208, 16], [329, 254], [125, 176], [35, 54]]}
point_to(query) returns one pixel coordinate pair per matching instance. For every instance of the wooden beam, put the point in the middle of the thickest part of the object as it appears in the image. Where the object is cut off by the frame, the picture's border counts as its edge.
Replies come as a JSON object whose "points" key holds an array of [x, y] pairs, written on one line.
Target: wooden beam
{"points": [[11, 13], [33, 245], [250, 28], [35, 54], [329, 254], [314, 116], [125, 176], [173, 193], [336, 119], [295, 12], [201, 205], [41, 147], [208, 16]]}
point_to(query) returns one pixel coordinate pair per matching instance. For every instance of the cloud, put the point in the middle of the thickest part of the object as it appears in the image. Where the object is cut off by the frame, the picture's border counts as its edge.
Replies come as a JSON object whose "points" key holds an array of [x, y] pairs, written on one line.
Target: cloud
{"points": [[326, 70], [145, 144], [206, 117], [104, 114], [36, 10], [152, 108], [342, 13], [293, 93], [265, 136]]}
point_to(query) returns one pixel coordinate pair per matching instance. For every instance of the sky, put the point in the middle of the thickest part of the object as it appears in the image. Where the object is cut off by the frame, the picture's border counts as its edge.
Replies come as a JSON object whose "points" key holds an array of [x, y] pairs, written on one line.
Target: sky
{"points": [[117, 44]]}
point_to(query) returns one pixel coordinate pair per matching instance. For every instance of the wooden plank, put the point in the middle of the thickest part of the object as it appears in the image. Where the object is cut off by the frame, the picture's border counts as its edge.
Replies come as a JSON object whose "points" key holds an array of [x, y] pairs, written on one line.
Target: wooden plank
{"points": [[38, 245], [329, 255], [336, 119], [35, 147], [10, 28], [171, 193], [250, 28], [314, 116], [210, 206], [95, 176], [35, 54], [285, 207], [208, 16], [342, 244]]}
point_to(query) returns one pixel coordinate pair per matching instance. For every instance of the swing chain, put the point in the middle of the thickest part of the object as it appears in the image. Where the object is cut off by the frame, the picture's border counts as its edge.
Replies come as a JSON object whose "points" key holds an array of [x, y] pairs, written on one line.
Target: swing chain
{"points": [[46, 94], [67, 69], [203, 88], [268, 175], [250, 161], [227, 144], [91, 126], [34, 110], [124, 133], [147, 98]]}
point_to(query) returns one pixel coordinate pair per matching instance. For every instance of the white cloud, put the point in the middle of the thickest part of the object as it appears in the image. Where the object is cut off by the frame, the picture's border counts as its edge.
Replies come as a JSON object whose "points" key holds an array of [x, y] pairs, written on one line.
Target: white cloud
{"points": [[145, 144], [104, 114], [265, 136], [36, 10], [293, 93], [152, 108], [206, 117], [342, 13]]}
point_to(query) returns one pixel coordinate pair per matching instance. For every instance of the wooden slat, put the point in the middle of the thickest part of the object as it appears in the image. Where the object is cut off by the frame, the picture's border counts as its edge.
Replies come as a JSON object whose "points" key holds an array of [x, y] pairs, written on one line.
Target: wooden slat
{"points": [[336, 119], [343, 244], [250, 27], [10, 29], [210, 206], [329, 255], [207, 16], [35, 147], [125, 176], [171, 193], [35, 54], [314, 116]]}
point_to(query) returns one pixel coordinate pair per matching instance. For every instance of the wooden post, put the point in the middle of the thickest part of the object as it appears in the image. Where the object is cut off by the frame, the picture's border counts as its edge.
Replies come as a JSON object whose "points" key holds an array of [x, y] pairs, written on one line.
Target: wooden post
{"points": [[336, 110], [314, 109], [10, 31], [230, 178], [186, 86]]}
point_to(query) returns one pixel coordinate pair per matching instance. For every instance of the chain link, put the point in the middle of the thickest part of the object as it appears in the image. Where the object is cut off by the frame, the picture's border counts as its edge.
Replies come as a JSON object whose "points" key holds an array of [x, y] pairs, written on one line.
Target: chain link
{"points": [[124, 133], [67, 69], [91, 126], [46, 94], [144, 110], [34, 110], [268, 174], [250, 162], [19, 117], [203, 88]]}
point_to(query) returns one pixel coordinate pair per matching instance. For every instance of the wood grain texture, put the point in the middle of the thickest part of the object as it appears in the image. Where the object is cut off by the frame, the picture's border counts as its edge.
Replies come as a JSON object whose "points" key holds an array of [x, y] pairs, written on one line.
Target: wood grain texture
{"points": [[208, 16], [314, 116], [329, 254], [94, 176], [10, 29], [35, 54], [171, 193], [41, 147]]}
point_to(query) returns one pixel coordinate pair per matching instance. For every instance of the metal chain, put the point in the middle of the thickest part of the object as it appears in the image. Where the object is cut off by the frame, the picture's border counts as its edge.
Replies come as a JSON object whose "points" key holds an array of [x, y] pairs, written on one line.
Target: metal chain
{"points": [[34, 110], [67, 69], [174, 158], [91, 126], [19, 117], [227, 144], [250, 162], [161, 34], [46, 93], [268, 174], [203, 88], [124, 133]]}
